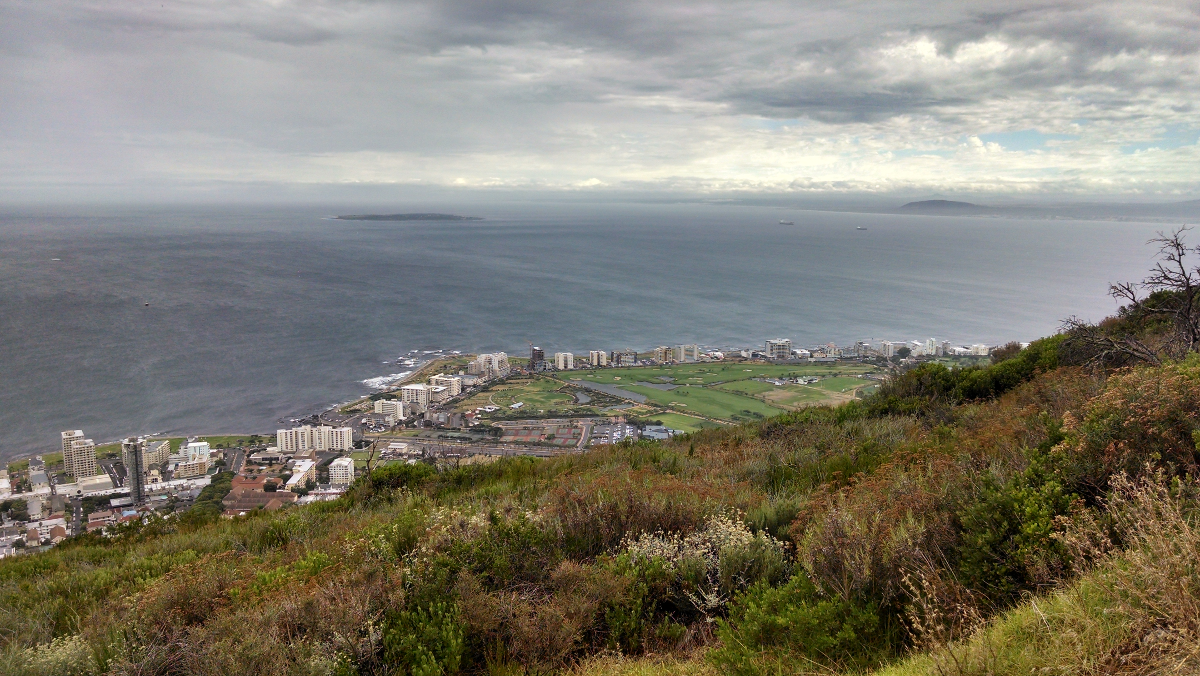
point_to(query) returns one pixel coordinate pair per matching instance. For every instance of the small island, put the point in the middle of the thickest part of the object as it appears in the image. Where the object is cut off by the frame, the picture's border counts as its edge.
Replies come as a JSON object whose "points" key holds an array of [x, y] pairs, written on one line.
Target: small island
{"points": [[943, 207], [407, 217]]}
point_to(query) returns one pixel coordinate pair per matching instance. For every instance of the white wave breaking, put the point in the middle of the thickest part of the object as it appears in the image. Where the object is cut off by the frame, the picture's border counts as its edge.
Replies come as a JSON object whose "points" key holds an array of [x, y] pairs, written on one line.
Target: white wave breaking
{"points": [[380, 382]]}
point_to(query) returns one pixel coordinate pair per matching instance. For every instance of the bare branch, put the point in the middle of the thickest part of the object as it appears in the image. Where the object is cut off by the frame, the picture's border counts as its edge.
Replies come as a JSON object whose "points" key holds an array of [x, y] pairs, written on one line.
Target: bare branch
{"points": [[1089, 345]]}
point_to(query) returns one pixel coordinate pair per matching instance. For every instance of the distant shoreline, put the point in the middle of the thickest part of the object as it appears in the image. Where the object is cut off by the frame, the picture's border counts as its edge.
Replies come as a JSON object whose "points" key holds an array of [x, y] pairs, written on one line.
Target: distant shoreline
{"points": [[406, 217]]}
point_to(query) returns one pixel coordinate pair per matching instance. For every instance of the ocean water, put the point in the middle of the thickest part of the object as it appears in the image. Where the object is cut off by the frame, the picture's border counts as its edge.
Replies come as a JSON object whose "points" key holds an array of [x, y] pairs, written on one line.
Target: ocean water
{"points": [[258, 314]]}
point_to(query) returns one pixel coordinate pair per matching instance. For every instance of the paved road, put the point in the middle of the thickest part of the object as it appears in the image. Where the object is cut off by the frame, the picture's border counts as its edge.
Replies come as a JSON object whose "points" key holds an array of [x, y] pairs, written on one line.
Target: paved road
{"points": [[239, 459], [115, 471], [442, 447], [76, 516]]}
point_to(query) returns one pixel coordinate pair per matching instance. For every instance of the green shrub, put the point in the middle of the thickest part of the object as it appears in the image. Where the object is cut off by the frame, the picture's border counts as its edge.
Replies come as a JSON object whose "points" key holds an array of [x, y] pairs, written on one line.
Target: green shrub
{"points": [[933, 386], [773, 629], [1008, 537], [383, 481], [512, 551], [427, 641]]}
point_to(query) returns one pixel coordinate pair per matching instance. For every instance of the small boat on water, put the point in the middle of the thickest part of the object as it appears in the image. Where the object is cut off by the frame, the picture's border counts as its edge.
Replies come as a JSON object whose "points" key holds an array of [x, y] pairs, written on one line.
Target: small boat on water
{"points": [[860, 228], [787, 222]]}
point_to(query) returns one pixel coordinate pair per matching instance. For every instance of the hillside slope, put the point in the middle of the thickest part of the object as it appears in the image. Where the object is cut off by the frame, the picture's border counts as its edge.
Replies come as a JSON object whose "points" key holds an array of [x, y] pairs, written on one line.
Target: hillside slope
{"points": [[903, 533]]}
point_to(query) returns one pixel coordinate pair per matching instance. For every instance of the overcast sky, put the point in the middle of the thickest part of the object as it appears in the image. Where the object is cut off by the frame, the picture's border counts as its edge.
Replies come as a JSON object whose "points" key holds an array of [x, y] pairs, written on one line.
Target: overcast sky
{"points": [[775, 97]]}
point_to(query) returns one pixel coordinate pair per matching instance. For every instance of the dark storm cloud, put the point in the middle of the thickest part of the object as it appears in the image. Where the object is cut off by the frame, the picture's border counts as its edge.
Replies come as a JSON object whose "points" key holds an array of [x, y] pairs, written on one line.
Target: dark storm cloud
{"points": [[521, 92]]}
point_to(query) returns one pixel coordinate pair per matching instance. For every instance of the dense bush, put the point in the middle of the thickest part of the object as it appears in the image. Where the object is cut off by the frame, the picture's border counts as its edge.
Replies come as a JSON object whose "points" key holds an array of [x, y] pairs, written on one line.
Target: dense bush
{"points": [[427, 641], [932, 386], [1144, 415], [769, 629], [381, 482], [1009, 541]]}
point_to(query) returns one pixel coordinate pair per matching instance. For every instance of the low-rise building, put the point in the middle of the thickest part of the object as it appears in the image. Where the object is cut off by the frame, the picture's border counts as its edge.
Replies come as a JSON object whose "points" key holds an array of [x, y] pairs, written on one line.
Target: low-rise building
{"points": [[38, 479], [242, 499], [270, 456], [190, 468], [303, 471]]}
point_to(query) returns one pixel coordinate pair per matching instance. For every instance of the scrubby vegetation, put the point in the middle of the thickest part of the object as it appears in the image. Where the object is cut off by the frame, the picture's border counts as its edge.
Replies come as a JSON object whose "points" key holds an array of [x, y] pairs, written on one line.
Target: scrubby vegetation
{"points": [[1035, 515]]}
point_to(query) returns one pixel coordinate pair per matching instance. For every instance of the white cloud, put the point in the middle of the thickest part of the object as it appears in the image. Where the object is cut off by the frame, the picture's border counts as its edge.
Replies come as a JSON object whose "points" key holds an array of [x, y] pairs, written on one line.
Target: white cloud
{"points": [[752, 95]]}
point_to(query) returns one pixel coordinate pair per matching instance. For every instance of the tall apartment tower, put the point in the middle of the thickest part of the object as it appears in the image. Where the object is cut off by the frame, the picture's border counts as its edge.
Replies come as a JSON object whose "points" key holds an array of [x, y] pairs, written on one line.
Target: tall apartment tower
{"points": [[598, 358], [564, 361], [132, 449], [537, 358], [779, 349], [687, 353], [79, 454]]}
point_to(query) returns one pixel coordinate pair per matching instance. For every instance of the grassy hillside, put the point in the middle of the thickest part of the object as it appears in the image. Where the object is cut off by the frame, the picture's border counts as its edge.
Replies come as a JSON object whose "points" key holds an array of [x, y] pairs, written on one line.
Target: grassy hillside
{"points": [[1024, 516]]}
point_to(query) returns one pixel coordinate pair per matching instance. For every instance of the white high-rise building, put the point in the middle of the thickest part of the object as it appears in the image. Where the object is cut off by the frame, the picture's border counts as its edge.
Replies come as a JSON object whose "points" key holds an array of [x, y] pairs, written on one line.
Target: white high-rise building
{"points": [[79, 454], [417, 394], [341, 472], [489, 366], [320, 438], [393, 408], [198, 450], [69, 438], [453, 384], [779, 349], [687, 353], [598, 358], [564, 361]]}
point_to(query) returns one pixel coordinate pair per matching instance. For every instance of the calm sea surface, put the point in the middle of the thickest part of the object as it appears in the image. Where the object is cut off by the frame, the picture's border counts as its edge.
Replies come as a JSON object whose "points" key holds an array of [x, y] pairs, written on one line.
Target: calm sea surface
{"points": [[262, 313]]}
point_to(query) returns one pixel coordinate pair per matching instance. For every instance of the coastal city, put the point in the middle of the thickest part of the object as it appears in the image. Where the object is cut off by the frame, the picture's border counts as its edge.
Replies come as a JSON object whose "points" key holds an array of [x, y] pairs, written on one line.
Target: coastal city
{"points": [[451, 409]]}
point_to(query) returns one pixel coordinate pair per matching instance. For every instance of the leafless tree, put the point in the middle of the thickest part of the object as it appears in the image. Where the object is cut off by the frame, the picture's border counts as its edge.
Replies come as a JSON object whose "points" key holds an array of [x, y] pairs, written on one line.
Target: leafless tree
{"points": [[1090, 345], [1174, 274], [1179, 305]]}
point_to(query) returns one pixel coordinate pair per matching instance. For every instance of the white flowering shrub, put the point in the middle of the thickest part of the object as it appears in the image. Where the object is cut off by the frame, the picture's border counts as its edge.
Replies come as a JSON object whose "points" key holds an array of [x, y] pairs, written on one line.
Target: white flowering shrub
{"points": [[64, 656], [713, 564]]}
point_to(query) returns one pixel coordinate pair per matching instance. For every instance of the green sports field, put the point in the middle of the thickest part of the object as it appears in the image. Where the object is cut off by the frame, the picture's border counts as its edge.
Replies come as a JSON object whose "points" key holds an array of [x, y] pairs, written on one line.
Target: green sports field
{"points": [[708, 402], [536, 394], [708, 373], [729, 391]]}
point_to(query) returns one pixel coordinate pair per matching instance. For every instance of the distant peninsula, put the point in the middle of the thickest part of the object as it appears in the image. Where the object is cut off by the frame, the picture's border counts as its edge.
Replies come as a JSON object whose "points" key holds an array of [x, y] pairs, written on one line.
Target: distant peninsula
{"points": [[942, 206], [407, 217]]}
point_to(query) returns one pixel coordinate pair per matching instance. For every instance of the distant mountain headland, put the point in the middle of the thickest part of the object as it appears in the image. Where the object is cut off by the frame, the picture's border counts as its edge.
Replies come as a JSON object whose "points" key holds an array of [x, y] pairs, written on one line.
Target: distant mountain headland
{"points": [[943, 207], [1090, 211], [407, 217]]}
